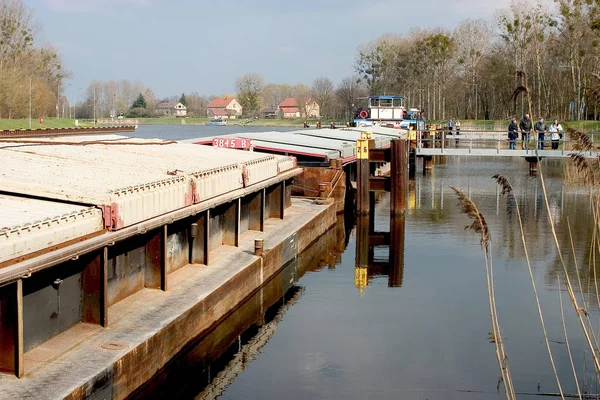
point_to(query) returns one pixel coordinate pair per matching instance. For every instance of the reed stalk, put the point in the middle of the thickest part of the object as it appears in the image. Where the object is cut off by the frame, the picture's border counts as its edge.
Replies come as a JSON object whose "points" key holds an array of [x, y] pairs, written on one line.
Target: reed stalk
{"points": [[578, 310], [507, 190], [479, 225], [562, 316]]}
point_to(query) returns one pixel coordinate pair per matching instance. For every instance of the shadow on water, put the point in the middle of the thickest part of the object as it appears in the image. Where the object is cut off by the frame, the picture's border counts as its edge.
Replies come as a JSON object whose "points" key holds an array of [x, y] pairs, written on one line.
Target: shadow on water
{"points": [[208, 365]]}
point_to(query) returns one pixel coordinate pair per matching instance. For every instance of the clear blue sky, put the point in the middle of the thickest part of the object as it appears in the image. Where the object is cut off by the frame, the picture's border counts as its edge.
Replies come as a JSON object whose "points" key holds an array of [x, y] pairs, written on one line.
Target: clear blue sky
{"points": [[180, 46]]}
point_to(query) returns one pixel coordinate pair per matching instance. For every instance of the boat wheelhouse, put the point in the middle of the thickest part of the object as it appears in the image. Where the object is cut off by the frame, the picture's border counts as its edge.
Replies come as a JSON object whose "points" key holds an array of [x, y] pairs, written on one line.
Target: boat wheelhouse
{"points": [[381, 108]]}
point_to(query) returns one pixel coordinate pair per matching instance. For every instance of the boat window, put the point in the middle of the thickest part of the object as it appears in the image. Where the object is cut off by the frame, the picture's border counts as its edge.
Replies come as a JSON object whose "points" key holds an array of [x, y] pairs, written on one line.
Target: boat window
{"points": [[386, 102], [374, 102]]}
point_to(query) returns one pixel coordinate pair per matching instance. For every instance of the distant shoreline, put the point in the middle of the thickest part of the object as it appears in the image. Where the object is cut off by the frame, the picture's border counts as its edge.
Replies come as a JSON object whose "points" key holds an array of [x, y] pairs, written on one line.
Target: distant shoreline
{"points": [[55, 123]]}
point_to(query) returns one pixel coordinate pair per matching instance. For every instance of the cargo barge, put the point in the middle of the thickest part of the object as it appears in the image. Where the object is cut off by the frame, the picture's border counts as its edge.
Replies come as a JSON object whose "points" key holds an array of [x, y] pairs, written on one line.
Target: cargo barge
{"points": [[116, 253]]}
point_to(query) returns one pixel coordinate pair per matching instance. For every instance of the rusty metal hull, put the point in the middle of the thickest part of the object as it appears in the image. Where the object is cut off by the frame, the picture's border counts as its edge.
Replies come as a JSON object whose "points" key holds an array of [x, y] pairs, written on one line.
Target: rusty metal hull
{"points": [[151, 327]]}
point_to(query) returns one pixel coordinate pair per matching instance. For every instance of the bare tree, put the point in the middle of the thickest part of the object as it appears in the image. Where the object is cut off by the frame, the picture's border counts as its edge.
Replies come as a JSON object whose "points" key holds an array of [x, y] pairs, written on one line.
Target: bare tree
{"points": [[249, 88], [323, 94], [274, 93], [302, 94], [473, 40], [348, 91]]}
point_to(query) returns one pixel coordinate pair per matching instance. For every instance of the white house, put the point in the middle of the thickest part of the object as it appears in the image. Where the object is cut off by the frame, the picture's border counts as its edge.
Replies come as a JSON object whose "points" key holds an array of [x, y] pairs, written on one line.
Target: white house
{"points": [[171, 108]]}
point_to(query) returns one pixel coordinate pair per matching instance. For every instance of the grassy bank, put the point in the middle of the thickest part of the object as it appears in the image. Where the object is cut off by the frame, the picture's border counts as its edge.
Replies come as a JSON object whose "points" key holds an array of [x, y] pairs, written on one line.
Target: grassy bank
{"points": [[35, 123]]}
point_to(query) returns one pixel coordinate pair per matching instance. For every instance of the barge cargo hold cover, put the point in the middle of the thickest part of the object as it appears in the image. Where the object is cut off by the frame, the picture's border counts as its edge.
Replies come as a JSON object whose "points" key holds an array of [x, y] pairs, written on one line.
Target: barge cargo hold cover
{"points": [[131, 181]]}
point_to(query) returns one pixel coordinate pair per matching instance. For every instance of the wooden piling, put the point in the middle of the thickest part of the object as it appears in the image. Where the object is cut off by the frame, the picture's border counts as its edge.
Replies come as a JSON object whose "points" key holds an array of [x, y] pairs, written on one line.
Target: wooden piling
{"points": [[362, 180], [399, 176]]}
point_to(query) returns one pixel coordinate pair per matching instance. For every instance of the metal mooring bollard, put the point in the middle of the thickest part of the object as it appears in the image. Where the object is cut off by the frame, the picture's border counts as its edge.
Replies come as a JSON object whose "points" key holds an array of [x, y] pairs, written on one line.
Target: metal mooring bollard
{"points": [[258, 246], [194, 231]]}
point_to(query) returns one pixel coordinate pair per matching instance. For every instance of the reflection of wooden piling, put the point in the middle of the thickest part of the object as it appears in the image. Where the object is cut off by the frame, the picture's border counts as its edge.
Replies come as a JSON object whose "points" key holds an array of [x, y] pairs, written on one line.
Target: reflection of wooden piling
{"points": [[362, 179], [427, 163], [396, 257], [398, 176], [533, 164], [362, 241]]}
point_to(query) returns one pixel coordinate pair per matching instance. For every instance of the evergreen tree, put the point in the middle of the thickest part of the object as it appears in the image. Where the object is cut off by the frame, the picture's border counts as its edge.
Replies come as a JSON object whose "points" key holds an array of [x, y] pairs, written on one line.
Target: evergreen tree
{"points": [[182, 99], [140, 102]]}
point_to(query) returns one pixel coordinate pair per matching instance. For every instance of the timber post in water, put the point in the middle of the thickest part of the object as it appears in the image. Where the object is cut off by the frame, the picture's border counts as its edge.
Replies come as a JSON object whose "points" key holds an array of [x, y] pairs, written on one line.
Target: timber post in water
{"points": [[397, 155], [363, 175], [399, 176]]}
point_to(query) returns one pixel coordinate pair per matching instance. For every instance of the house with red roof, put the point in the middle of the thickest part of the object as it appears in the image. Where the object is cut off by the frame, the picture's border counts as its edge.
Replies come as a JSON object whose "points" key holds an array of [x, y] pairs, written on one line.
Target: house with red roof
{"points": [[289, 109], [227, 107]]}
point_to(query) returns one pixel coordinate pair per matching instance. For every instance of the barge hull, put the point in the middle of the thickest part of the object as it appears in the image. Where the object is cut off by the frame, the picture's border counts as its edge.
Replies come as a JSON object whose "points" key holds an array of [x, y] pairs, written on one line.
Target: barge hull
{"points": [[151, 326]]}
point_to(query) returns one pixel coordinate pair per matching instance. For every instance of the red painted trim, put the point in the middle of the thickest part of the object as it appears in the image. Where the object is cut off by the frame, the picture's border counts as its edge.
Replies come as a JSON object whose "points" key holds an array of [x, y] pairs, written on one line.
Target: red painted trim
{"points": [[282, 151]]}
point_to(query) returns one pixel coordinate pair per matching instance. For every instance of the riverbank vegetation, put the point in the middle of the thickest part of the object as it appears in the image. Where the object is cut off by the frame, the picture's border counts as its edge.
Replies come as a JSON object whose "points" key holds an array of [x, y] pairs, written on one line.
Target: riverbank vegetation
{"points": [[28, 69], [473, 70]]}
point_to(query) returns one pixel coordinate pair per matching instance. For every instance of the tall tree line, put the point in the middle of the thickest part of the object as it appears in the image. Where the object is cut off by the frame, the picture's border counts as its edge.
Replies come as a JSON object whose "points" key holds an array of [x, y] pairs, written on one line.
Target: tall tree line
{"points": [[474, 71], [28, 70]]}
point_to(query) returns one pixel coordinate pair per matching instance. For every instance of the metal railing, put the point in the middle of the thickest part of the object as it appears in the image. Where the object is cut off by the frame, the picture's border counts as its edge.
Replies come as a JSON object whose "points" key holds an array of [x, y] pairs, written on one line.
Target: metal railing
{"points": [[439, 139]]}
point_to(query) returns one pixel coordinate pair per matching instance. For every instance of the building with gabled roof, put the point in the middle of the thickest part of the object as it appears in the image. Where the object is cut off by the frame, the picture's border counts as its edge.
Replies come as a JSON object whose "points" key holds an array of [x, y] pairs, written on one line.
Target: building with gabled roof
{"points": [[224, 108], [289, 109], [171, 108]]}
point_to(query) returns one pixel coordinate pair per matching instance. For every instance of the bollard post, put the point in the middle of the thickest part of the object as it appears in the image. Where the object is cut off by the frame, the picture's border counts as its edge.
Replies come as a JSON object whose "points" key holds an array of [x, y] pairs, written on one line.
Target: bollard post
{"points": [[323, 189], [258, 247], [398, 176], [362, 179]]}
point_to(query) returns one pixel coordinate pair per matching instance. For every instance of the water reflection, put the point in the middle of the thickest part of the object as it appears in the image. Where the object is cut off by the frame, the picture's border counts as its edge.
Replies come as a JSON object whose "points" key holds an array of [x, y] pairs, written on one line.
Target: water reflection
{"points": [[208, 366], [432, 201], [368, 240]]}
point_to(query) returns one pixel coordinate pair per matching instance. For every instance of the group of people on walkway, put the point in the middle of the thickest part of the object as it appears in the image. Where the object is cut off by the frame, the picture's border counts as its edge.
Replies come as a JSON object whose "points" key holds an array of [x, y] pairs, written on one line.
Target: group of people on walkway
{"points": [[451, 126], [540, 128]]}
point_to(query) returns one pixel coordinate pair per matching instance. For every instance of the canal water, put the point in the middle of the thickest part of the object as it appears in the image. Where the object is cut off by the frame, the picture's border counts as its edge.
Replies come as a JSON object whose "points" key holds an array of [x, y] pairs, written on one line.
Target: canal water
{"points": [[416, 325]]}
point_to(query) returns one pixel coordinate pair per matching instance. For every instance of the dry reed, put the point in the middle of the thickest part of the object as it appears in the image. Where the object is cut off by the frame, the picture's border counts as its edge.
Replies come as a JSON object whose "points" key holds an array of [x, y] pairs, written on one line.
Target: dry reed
{"points": [[479, 226], [507, 190], [562, 316], [582, 142]]}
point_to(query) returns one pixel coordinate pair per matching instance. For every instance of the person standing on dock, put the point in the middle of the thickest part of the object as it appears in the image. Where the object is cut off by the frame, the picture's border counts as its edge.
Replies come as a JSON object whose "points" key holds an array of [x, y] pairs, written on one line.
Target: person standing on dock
{"points": [[540, 129], [513, 134], [450, 127], [457, 126], [525, 126], [555, 134]]}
